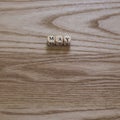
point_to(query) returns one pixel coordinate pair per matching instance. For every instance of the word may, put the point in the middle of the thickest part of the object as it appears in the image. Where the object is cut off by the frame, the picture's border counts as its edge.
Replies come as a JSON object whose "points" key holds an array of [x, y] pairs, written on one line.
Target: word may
{"points": [[58, 40]]}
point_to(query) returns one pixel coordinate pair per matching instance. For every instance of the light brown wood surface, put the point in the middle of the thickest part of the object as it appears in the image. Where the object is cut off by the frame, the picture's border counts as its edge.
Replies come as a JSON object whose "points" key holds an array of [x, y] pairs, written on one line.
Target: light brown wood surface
{"points": [[80, 82]]}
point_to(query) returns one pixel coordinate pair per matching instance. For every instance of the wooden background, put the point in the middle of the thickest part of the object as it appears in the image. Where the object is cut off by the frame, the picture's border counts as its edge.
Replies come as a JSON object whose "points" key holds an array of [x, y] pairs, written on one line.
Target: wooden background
{"points": [[81, 82]]}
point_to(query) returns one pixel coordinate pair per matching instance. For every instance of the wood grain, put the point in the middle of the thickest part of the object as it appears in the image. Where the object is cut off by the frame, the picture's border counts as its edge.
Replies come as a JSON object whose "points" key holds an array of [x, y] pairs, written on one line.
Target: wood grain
{"points": [[80, 82]]}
